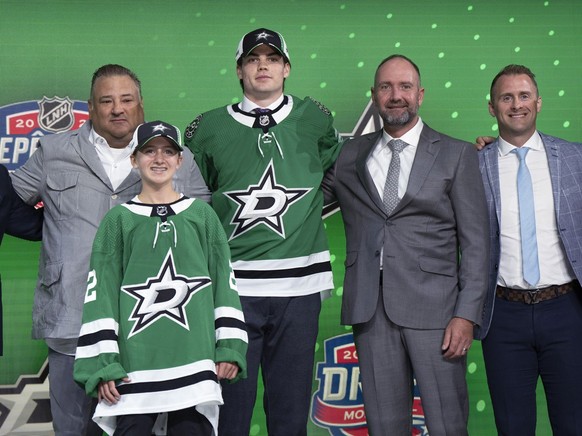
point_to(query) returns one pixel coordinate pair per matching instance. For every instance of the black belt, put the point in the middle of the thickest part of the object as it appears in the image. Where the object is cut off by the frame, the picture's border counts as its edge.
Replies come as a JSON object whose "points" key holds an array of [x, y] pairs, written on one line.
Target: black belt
{"points": [[534, 296]]}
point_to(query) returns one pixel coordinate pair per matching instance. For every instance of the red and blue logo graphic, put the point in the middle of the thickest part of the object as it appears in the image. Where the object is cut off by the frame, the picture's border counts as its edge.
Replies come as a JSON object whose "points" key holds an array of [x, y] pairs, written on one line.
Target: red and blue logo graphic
{"points": [[23, 124], [338, 403]]}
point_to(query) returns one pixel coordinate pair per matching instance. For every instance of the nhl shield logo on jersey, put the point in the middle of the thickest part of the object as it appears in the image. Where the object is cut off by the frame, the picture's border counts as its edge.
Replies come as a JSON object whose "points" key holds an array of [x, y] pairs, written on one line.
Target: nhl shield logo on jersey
{"points": [[338, 403], [23, 124], [264, 120], [264, 203], [162, 210]]}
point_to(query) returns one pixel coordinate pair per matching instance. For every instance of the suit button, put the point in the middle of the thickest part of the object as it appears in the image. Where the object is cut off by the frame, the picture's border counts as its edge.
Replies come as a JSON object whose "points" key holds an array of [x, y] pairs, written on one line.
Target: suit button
{"points": [[114, 196], [377, 252]]}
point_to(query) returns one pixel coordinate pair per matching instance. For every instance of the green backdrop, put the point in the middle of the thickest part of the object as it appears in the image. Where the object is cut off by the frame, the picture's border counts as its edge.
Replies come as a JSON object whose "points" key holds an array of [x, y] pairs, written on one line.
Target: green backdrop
{"points": [[183, 51]]}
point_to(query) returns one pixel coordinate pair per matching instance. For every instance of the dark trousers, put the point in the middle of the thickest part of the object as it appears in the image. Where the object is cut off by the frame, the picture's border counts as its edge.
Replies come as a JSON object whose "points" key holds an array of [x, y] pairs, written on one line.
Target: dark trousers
{"points": [[185, 422], [282, 334], [527, 342]]}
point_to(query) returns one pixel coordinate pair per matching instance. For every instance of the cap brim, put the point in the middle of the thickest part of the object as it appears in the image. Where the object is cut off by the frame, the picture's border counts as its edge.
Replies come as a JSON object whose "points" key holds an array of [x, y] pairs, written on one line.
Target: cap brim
{"points": [[169, 138]]}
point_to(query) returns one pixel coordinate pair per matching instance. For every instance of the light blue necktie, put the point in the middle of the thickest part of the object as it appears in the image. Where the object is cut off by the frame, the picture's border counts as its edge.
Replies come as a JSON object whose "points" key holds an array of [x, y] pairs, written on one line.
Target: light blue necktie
{"points": [[527, 220]]}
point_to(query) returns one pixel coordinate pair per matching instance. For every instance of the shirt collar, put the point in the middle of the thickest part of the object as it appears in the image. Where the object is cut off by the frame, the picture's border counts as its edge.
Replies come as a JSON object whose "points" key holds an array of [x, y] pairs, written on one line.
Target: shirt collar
{"points": [[247, 105], [534, 143], [100, 142], [411, 137]]}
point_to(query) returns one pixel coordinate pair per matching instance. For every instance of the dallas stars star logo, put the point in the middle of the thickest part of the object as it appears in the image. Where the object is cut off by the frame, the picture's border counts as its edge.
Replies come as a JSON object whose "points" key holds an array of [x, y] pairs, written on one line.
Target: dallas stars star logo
{"points": [[165, 295], [262, 35], [265, 203], [159, 128]]}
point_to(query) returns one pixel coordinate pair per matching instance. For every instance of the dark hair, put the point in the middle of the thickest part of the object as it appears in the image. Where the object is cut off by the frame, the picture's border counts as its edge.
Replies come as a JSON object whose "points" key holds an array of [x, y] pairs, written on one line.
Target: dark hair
{"points": [[398, 56], [513, 70], [114, 70]]}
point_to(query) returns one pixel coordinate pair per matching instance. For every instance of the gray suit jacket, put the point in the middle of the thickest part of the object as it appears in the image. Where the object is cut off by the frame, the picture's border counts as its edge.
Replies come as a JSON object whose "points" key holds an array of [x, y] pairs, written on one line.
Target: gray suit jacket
{"points": [[67, 175], [442, 214], [565, 163]]}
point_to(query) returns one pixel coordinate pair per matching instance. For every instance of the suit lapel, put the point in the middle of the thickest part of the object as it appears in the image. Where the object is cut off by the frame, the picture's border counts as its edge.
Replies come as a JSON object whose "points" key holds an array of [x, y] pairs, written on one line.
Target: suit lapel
{"points": [[87, 152], [491, 159], [364, 151], [426, 153], [131, 179], [553, 156]]}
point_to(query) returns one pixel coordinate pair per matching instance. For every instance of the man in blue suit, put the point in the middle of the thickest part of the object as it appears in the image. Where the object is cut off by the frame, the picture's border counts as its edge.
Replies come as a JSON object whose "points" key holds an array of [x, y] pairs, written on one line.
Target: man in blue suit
{"points": [[16, 219], [533, 313]]}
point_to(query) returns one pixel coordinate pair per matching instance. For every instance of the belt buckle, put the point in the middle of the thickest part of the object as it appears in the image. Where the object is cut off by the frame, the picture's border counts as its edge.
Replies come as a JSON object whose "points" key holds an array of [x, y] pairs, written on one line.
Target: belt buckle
{"points": [[532, 297]]}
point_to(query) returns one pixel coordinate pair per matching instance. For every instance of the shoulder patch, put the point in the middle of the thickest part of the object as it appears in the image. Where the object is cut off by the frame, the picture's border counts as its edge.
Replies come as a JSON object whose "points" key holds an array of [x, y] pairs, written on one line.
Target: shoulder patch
{"points": [[320, 106], [189, 132]]}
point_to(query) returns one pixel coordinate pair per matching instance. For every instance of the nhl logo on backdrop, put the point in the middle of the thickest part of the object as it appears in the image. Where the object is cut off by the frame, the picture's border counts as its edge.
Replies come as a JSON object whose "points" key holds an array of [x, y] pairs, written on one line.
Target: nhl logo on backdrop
{"points": [[23, 124], [56, 114]]}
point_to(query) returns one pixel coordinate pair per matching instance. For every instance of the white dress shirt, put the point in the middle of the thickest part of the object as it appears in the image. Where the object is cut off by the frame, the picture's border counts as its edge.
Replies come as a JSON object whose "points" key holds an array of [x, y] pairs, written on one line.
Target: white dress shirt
{"points": [[115, 161], [379, 160], [554, 269]]}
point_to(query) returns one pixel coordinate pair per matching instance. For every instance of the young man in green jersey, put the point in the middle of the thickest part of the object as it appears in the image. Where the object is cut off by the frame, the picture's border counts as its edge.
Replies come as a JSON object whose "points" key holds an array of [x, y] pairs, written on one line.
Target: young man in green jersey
{"points": [[264, 159]]}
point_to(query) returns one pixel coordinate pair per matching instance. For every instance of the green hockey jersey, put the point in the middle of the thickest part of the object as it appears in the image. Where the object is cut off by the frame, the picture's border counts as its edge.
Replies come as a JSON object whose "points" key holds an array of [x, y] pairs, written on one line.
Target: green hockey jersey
{"points": [[265, 172], [161, 308]]}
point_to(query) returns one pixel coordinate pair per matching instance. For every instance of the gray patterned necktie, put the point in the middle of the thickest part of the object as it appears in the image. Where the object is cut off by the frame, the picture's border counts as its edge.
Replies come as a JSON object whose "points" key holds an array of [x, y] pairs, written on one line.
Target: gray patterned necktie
{"points": [[391, 198]]}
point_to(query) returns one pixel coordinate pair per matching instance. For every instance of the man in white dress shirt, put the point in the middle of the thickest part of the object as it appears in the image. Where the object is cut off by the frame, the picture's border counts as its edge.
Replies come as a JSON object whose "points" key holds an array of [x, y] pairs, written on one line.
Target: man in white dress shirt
{"points": [[533, 314]]}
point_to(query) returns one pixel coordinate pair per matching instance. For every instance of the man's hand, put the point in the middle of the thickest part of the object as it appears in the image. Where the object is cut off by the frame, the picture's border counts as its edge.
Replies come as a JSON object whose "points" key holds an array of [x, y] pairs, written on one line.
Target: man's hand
{"points": [[226, 370], [108, 391], [482, 141], [458, 338]]}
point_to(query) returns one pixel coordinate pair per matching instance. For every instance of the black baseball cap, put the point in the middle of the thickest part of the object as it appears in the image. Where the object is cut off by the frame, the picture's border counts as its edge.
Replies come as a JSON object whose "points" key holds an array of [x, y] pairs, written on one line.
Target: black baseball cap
{"points": [[253, 39], [153, 129]]}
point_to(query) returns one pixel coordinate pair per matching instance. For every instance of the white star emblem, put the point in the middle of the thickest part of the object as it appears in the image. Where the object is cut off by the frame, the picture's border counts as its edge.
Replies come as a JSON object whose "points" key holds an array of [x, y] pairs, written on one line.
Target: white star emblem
{"points": [[262, 35], [159, 128], [263, 203], [165, 295]]}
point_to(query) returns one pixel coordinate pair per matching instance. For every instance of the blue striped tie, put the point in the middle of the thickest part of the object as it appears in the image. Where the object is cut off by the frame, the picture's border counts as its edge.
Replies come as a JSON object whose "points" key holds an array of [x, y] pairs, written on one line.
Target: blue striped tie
{"points": [[527, 220]]}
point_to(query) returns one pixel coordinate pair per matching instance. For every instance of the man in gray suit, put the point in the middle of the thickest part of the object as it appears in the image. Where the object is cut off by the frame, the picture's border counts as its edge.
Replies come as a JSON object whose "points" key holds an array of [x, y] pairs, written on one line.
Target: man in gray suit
{"points": [[79, 176], [417, 241], [533, 313]]}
